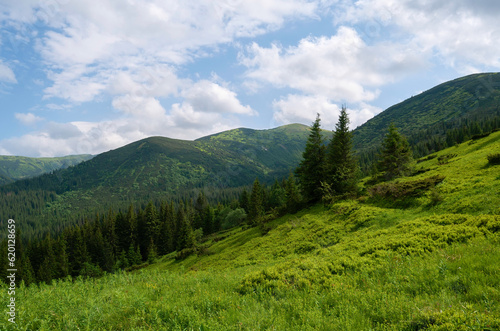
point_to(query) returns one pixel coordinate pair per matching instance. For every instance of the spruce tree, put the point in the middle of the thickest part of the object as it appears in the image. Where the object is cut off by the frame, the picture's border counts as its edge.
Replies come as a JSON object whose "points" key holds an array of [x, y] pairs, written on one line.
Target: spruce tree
{"points": [[341, 165], [293, 198], [152, 224], [311, 170], [256, 204], [396, 154], [244, 200]]}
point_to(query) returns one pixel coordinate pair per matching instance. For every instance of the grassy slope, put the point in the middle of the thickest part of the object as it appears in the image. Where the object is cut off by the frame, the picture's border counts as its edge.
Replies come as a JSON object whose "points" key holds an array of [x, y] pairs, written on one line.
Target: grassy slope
{"points": [[19, 167], [358, 265]]}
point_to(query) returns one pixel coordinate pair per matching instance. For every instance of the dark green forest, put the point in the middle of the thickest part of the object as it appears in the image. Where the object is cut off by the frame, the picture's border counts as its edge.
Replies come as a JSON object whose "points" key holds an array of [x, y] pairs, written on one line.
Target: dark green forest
{"points": [[158, 196]]}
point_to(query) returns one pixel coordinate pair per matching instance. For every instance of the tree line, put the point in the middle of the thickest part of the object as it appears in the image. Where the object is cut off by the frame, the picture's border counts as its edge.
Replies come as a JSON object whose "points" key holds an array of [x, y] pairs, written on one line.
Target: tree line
{"points": [[124, 239]]}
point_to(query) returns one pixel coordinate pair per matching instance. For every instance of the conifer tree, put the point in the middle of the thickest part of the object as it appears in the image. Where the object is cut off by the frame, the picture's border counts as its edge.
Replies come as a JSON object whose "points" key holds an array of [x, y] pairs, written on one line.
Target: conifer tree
{"points": [[293, 198], [47, 270], [62, 258], [256, 204], [277, 195], [396, 154], [152, 251], [244, 200], [310, 171], [122, 230], [27, 274], [184, 235], [152, 223], [341, 166]]}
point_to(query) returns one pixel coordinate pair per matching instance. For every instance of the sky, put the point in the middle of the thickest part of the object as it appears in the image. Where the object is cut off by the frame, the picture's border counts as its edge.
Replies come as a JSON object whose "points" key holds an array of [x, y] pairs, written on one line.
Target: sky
{"points": [[85, 77]]}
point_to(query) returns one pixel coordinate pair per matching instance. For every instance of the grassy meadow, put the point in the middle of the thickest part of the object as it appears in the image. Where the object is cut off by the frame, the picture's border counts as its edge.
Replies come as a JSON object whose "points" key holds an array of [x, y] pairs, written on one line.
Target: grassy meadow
{"points": [[429, 261]]}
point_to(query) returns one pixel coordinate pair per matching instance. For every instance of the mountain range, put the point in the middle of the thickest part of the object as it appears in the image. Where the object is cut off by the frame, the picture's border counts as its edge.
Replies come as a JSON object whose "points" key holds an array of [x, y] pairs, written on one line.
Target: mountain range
{"points": [[159, 167]]}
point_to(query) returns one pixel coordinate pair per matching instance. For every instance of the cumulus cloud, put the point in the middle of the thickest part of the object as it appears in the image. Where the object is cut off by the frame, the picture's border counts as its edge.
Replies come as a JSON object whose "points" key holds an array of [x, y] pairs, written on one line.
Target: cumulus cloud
{"points": [[206, 96], [27, 118], [463, 34], [208, 108], [90, 44], [329, 71], [6, 74], [303, 109], [340, 67]]}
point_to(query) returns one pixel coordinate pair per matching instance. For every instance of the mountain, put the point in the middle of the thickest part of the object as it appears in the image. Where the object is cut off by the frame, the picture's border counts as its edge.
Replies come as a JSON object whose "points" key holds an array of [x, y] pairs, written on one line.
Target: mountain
{"points": [[426, 262], [220, 164], [431, 114], [13, 168], [158, 167]]}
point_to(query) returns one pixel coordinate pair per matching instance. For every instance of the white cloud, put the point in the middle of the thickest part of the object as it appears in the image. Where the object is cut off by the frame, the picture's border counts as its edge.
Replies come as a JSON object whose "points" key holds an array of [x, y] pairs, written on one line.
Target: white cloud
{"points": [[303, 109], [206, 96], [6, 74], [340, 67], [208, 108], [27, 118], [145, 107], [329, 71], [90, 44], [461, 33]]}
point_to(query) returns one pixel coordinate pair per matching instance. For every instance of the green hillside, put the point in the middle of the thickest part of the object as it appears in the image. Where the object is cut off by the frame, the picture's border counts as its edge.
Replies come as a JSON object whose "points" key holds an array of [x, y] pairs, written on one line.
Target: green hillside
{"points": [[398, 261], [428, 116], [19, 167], [155, 168]]}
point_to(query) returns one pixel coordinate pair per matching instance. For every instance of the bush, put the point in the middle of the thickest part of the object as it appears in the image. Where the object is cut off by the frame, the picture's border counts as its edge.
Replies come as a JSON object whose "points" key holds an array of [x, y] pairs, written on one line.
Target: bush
{"points": [[443, 159], [234, 218], [494, 159], [430, 157], [184, 253], [395, 191], [479, 136]]}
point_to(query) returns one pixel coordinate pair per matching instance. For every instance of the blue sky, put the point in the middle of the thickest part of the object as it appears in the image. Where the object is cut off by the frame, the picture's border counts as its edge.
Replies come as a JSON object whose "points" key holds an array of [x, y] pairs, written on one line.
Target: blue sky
{"points": [[90, 76]]}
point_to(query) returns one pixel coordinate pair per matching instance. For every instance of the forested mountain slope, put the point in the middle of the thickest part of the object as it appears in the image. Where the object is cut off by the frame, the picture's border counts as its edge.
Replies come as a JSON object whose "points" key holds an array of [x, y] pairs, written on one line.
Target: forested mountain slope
{"points": [[400, 257], [13, 168], [428, 118], [155, 168]]}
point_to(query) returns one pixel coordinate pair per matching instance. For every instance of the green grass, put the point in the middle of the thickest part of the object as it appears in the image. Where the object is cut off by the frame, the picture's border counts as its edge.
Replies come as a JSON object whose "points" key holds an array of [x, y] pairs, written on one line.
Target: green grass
{"points": [[366, 264]]}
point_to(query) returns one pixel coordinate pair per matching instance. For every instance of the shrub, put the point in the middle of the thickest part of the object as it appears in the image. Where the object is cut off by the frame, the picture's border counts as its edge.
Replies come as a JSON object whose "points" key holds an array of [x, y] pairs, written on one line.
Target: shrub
{"points": [[435, 197], [430, 157], [494, 159], [184, 253], [407, 189], [443, 159], [481, 135]]}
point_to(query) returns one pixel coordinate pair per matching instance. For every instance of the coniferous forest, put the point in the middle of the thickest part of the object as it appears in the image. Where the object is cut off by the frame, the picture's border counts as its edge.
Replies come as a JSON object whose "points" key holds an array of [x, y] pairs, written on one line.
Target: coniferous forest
{"points": [[291, 228]]}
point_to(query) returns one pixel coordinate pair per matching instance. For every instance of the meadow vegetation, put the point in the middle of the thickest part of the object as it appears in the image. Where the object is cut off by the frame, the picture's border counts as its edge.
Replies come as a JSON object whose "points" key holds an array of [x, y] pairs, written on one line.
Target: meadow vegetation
{"points": [[415, 253]]}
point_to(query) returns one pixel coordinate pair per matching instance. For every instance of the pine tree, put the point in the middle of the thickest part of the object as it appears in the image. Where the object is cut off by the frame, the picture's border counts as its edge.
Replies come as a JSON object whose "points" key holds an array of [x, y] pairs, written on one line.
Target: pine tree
{"points": [[185, 238], [62, 258], [341, 166], [122, 230], [396, 154], [256, 205], [277, 196], [47, 270], [244, 200], [152, 223], [293, 198], [311, 169], [152, 252]]}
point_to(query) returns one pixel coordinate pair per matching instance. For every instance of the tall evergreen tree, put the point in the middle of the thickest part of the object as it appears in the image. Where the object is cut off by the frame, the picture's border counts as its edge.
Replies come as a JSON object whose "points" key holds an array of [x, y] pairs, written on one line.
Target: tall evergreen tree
{"points": [[244, 200], [256, 205], [311, 170], [341, 166], [396, 154], [293, 198]]}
